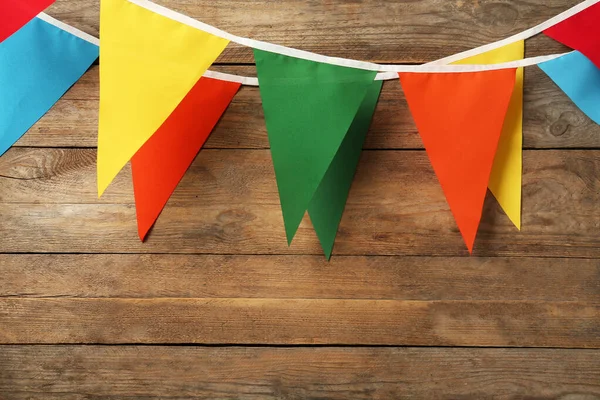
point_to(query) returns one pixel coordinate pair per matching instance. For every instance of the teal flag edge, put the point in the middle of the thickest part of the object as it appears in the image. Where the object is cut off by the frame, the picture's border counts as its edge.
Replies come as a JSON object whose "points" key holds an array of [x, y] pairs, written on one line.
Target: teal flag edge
{"points": [[579, 78], [39, 63]]}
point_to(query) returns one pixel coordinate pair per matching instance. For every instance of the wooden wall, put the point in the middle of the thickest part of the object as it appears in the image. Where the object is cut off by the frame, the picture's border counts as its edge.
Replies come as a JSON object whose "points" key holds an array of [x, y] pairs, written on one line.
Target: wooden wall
{"points": [[215, 305]]}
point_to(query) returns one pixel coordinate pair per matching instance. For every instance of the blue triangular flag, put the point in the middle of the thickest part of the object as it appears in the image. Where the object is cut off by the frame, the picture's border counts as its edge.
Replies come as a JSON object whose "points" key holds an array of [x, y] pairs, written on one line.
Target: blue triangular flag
{"points": [[579, 78], [38, 64]]}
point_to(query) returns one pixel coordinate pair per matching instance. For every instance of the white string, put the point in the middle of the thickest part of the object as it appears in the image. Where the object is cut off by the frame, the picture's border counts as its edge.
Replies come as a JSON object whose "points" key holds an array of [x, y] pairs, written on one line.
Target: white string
{"points": [[68, 28], [428, 68], [244, 80], [390, 71], [436, 66], [519, 36], [256, 44]]}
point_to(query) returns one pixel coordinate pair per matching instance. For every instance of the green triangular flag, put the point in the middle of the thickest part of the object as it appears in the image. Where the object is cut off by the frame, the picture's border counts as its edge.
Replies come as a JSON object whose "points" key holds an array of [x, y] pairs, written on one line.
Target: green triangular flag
{"points": [[309, 108], [327, 205]]}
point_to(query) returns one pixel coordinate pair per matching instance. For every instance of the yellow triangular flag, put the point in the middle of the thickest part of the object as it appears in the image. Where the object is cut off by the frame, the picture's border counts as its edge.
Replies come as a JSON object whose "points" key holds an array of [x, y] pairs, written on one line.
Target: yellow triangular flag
{"points": [[505, 179], [149, 63]]}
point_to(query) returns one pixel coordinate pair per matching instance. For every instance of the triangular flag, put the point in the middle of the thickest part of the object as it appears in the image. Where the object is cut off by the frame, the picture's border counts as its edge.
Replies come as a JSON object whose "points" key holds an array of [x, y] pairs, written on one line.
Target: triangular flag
{"points": [[506, 176], [579, 78], [580, 32], [459, 117], [16, 13], [309, 108], [327, 205], [38, 64], [149, 63], [162, 161]]}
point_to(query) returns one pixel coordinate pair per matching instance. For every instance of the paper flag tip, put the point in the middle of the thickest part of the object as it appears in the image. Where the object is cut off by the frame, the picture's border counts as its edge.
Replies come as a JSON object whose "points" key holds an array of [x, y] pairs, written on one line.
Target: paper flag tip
{"points": [[143, 232], [101, 187], [515, 221], [104, 179], [470, 242]]}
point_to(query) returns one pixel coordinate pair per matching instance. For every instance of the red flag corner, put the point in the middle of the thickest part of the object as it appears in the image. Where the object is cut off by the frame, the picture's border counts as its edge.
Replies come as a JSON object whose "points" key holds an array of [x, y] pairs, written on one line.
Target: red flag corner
{"points": [[162, 161], [16, 13]]}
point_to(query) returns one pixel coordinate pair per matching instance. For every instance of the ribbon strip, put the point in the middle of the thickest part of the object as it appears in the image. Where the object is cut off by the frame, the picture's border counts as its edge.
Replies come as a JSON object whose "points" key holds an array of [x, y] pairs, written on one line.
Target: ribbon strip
{"points": [[519, 36], [68, 28], [244, 80], [387, 76], [390, 72], [368, 66]]}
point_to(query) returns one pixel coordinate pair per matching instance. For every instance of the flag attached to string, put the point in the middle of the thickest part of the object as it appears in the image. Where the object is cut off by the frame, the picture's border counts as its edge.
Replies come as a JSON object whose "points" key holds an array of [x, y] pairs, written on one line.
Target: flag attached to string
{"points": [[149, 64], [162, 161], [579, 78], [580, 32], [506, 177], [309, 110], [38, 64], [16, 13], [328, 203], [460, 117]]}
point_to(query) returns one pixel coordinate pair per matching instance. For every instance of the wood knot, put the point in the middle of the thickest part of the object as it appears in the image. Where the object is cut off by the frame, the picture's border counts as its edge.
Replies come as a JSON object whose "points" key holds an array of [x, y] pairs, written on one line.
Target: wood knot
{"points": [[558, 128], [499, 15], [235, 216]]}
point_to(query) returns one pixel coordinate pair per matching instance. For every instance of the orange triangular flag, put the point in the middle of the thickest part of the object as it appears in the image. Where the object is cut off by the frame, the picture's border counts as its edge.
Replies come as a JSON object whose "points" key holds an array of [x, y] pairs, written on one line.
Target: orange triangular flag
{"points": [[162, 161], [459, 117]]}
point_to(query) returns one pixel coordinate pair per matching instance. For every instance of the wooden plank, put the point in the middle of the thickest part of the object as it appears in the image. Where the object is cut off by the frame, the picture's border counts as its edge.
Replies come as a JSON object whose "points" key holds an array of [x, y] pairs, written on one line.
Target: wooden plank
{"points": [[305, 277], [228, 204], [551, 119], [387, 32], [288, 277], [132, 372], [300, 321]]}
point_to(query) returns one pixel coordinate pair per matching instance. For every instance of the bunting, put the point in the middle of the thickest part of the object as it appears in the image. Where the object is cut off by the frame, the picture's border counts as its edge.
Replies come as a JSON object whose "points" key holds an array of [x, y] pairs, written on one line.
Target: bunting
{"points": [[159, 104], [38, 64], [309, 108], [579, 78], [580, 32], [460, 117], [162, 161], [16, 13], [505, 179], [149, 63]]}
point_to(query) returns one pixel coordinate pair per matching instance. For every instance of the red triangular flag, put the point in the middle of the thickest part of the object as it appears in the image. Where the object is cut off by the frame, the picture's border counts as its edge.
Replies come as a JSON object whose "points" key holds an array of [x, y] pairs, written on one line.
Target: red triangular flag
{"points": [[162, 161], [16, 13], [580, 32], [459, 117]]}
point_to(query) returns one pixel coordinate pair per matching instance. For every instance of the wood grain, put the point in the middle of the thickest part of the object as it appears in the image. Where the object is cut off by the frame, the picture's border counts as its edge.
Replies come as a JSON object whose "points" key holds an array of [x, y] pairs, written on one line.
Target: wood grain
{"points": [[307, 277], [131, 372], [570, 324], [551, 119], [399, 277], [227, 203], [387, 32]]}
